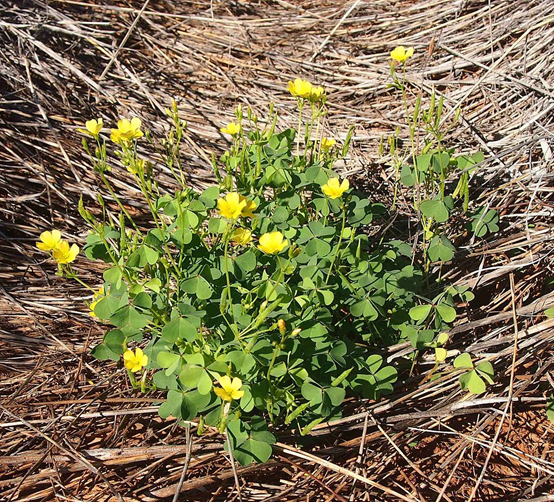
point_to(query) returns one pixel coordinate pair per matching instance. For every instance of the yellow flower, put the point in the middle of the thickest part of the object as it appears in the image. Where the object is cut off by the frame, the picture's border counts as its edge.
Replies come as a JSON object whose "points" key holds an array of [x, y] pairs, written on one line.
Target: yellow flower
{"points": [[135, 361], [316, 94], [333, 189], [62, 253], [232, 129], [137, 166], [50, 240], [229, 389], [231, 206], [95, 299], [127, 130], [272, 243], [327, 144], [249, 207], [402, 54], [300, 88], [93, 127], [242, 236]]}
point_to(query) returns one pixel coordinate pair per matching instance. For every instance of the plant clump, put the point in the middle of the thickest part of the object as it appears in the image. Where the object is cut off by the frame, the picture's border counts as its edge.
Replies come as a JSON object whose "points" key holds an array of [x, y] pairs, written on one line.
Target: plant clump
{"points": [[262, 302]]}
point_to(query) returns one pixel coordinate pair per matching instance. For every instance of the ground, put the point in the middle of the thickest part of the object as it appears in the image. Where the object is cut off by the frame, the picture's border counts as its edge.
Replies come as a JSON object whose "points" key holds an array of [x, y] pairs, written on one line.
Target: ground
{"points": [[73, 429]]}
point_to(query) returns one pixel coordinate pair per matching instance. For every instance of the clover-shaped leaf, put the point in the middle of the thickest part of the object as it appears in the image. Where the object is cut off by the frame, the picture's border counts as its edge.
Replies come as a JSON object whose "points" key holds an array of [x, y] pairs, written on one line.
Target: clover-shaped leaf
{"points": [[440, 249]]}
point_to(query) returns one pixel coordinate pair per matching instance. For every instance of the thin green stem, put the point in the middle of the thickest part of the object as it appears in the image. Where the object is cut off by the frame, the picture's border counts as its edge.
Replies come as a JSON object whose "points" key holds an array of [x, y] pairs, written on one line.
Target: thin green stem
{"points": [[337, 249], [121, 206]]}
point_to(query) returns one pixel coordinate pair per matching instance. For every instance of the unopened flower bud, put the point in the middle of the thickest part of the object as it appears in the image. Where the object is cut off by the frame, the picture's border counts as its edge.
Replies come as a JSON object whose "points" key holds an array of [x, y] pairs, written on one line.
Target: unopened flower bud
{"points": [[295, 332], [282, 326]]}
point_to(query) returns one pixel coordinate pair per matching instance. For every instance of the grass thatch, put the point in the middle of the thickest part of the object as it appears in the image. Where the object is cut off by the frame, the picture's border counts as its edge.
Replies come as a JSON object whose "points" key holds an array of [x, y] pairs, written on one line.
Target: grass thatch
{"points": [[71, 428]]}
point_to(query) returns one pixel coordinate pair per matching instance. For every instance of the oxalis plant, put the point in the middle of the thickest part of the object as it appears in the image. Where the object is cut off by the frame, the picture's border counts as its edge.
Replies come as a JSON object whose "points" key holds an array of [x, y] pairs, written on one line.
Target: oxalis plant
{"points": [[262, 302]]}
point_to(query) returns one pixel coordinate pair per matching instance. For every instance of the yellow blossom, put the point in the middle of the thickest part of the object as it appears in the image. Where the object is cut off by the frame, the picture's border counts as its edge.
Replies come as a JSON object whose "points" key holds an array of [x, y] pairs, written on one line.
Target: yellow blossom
{"points": [[250, 206], [401, 54], [127, 130], [316, 94], [272, 243], [300, 88], [50, 240], [231, 206], [135, 361], [333, 189], [327, 144], [232, 129], [98, 295], [229, 389], [62, 253], [137, 166], [93, 127], [241, 236]]}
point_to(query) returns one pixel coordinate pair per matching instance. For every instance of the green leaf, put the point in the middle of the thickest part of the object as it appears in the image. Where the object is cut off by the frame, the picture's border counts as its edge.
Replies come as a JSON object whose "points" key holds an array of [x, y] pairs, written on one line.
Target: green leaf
{"points": [[420, 313], [129, 316], [246, 401], [280, 215], [163, 381], [447, 313], [364, 308], [113, 275], [463, 361], [442, 338], [154, 285], [168, 360], [312, 392], [484, 222], [143, 256], [190, 375], [251, 451], [436, 209], [440, 354], [172, 405], [102, 352], [105, 308], [440, 162], [408, 176], [179, 328], [217, 225], [423, 161], [143, 300], [336, 395], [440, 249], [473, 382], [209, 196], [114, 340], [197, 286], [238, 433], [246, 261], [549, 312], [486, 370]]}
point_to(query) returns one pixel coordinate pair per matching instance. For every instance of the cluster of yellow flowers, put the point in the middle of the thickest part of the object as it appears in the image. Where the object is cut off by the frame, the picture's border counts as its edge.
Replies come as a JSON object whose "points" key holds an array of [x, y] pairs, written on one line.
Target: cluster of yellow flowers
{"points": [[134, 361], [234, 206], [127, 130], [52, 243], [304, 89]]}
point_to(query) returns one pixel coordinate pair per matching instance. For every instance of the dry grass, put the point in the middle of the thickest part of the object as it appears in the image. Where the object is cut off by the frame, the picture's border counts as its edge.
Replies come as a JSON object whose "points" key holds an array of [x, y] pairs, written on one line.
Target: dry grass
{"points": [[72, 429]]}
